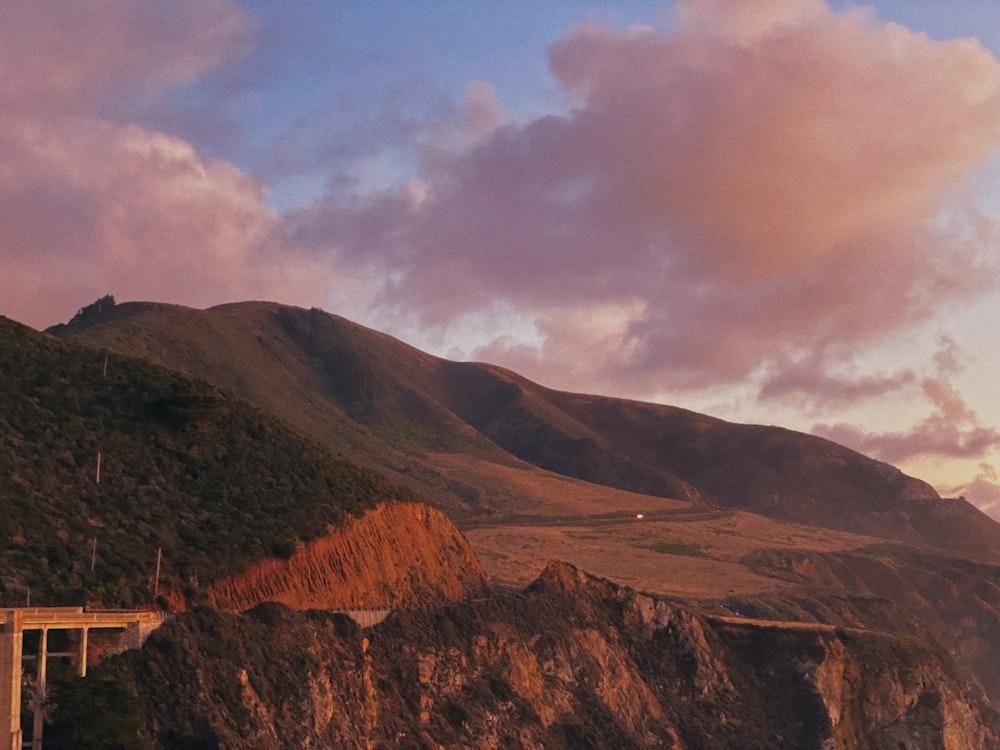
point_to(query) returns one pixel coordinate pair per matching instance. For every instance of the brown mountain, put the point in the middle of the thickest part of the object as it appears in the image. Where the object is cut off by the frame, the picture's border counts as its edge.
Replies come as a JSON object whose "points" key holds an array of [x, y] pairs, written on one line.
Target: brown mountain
{"points": [[778, 618], [472, 437], [109, 464]]}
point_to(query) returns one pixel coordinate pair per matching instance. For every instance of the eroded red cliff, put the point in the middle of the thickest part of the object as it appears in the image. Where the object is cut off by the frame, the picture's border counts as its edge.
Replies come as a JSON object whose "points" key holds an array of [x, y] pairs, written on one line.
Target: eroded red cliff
{"points": [[397, 555]]}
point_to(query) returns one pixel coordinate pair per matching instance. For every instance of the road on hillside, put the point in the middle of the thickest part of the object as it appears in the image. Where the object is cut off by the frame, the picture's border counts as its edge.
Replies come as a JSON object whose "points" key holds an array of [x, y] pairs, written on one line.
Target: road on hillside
{"points": [[602, 519]]}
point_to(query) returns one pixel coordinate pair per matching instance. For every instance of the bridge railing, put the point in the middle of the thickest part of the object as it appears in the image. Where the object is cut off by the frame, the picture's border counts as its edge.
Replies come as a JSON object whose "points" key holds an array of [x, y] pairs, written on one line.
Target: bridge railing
{"points": [[365, 618]]}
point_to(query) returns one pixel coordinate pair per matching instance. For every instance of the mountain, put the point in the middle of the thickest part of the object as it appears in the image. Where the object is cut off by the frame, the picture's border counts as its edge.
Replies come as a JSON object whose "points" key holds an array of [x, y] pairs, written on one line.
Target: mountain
{"points": [[471, 437], [110, 462], [796, 592]]}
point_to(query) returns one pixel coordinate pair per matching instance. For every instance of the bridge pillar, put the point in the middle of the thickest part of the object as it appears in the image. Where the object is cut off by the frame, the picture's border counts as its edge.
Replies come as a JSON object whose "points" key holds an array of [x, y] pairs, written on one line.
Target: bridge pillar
{"points": [[39, 717], [81, 668], [133, 636], [10, 681], [137, 632]]}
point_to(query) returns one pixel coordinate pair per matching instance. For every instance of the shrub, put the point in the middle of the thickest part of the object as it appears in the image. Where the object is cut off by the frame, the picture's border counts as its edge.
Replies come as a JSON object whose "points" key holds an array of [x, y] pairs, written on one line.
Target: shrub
{"points": [[92, 714], [283, 549]]}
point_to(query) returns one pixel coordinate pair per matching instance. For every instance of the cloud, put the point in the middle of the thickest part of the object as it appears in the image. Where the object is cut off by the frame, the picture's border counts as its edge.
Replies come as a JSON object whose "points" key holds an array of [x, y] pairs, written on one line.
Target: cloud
{"points": [[755, 195], [983, 491], [808, 384], [90, 206], [952, 430], [479, 116], [746, 19], [762, 190], [59, 56], [578, 340]]}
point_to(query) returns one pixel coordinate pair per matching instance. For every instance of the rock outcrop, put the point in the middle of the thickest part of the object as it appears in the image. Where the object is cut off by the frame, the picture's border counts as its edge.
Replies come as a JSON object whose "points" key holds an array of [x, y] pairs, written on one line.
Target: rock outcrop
{"points": [[895, 588], [573, 662], [396, 555]]}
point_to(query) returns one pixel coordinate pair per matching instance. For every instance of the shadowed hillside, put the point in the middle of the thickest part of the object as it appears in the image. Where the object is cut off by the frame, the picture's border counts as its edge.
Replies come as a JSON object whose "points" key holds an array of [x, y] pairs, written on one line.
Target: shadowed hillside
{"points": [[185, 467], [404, 411]]}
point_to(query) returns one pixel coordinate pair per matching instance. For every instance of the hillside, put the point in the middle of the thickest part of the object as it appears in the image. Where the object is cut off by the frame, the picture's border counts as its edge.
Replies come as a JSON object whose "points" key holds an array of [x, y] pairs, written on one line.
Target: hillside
{"points": [[400, 555], [185, 467], [508, 459], [753, 532], [574, 662], [410, 414]]}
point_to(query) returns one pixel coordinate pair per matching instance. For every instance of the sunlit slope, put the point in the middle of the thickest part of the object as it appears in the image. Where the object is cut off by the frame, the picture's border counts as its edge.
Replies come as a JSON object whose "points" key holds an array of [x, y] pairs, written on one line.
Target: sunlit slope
{"points": [[371, 396]]}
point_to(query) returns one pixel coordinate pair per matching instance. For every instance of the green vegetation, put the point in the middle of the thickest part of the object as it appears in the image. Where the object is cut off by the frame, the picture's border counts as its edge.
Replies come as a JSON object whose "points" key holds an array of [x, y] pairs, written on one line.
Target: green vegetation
{"points": [[889, 549], [283, 549], [92, 714], [678, 548], [184, 466]]}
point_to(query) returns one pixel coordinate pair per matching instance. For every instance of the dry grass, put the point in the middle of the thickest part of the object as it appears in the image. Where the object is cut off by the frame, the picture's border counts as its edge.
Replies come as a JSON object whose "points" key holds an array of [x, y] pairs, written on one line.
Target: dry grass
{"points": [[525, 489], [627, 553]]}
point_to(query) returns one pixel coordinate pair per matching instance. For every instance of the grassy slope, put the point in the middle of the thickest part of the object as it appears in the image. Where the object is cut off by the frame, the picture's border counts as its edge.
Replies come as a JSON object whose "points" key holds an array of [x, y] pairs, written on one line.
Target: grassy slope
{"points": [[186, 466], [411, 414], [323, 383], [475, 431]]}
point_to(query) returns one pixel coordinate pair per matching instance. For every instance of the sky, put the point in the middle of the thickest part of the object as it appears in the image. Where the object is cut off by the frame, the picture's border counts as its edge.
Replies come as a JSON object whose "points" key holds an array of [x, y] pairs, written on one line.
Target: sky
{"points": [[774, 211]]}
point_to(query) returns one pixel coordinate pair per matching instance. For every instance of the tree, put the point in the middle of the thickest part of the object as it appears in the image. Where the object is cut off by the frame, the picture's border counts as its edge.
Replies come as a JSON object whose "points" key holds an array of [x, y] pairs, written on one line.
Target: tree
{"points": [[91, 713]]}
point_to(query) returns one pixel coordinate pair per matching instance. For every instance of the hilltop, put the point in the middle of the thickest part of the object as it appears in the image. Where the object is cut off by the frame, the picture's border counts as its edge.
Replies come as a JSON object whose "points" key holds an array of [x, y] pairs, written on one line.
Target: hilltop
{"points": [[281, 454], [483, 442], [186, 467], [746, 518]]}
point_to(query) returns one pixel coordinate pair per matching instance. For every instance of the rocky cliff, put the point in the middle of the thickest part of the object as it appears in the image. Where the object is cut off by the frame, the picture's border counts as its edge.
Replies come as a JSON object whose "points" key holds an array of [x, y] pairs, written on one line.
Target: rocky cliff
{"points": [[397, 555], [894, 588], [573, 662]]}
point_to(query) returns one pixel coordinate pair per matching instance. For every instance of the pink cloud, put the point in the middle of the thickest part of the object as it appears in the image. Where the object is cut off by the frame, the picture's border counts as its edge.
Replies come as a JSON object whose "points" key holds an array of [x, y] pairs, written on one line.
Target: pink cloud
{"points": [[60, 56], [808, 384], [755, 192], [759, 191], [745, 19], [952, 430], [89, 206], [983, 491]]}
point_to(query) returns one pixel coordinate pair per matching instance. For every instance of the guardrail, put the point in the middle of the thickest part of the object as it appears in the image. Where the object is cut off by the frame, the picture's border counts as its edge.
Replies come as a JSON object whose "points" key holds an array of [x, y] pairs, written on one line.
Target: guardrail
{"points": [[72, 619]]}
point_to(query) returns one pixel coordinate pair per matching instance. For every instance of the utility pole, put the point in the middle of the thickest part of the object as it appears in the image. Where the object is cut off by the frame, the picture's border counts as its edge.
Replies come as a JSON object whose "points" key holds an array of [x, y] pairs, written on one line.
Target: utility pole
{"points": [[156, 580], [93, 555], [98, 467], [105, 364]]}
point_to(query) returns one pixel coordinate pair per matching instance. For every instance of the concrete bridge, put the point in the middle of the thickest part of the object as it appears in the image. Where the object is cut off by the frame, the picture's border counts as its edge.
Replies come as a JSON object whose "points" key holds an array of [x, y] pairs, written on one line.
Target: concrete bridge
{"points": [[13, 622], [365, 618], [137, 624]]}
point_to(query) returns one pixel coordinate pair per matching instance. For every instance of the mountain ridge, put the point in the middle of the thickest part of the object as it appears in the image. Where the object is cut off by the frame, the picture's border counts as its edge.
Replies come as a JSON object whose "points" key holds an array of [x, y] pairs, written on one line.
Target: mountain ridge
{"points": [[375, 398], [109, 461], [512, 459]]}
